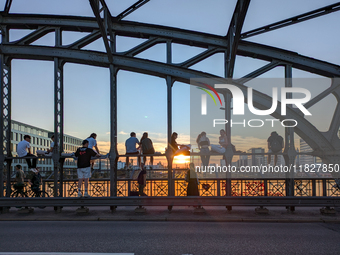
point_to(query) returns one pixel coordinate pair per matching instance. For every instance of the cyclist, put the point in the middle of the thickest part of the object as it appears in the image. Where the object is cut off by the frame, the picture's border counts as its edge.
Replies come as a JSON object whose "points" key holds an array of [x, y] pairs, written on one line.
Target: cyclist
{"points": [[19, 179], [35, 181]]}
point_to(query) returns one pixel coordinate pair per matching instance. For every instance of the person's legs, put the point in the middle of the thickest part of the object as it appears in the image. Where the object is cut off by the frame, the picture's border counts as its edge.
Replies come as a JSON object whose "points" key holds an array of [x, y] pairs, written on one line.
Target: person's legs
{"points": [[127, 162], [80, 183], [207, 158], [34, 160], [138, 160], [86, 183], [151, 160], [141, 189], [28, 162], [144, 160], [269, 158], [275, 159], [87, 175]]}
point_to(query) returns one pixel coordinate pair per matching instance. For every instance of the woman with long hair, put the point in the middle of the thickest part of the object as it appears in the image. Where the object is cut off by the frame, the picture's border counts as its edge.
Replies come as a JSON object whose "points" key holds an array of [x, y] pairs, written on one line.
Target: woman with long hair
{"points": [[177, 148], [147, 147], [93, 143], [203, 143]]}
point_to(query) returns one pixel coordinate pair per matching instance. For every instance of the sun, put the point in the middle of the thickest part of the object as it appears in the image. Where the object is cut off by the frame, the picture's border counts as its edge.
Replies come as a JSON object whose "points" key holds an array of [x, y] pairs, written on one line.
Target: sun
{"points": [[181, 159]]}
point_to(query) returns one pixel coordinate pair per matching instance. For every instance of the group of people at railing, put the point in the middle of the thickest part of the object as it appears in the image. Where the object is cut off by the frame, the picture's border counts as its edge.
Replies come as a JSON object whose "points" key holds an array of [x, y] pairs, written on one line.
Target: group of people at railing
{"points": [[85, 155]]}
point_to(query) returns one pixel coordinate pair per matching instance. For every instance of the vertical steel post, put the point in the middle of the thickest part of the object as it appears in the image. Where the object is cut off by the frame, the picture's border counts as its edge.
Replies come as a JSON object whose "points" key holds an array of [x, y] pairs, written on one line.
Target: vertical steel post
{"points": [[170, 155], [228, 72], [113, 107], [289, 139], [113, 131], [5, 126], [58, 118]]}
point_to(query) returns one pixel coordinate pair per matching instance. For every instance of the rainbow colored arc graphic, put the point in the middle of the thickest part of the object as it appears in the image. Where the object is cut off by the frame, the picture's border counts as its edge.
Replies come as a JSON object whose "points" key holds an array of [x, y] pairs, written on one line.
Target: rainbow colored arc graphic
{"points": [[209, 93]]}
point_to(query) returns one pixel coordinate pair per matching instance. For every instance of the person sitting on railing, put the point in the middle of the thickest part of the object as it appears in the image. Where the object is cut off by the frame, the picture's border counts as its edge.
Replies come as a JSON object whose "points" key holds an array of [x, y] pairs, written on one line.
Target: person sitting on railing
{"points": [[21, 150], [275, 145], [93, 144], [49, 151], [223, 144], [35, 180], [131, 148], [84, 155], [147, 147], [203, 143], [19, 178], [178, 148]]}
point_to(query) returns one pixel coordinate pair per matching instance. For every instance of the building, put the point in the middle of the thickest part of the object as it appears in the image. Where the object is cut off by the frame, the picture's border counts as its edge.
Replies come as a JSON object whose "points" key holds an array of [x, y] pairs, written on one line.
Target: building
{"points": [[306, 159], [40, 141], [256, 160]]}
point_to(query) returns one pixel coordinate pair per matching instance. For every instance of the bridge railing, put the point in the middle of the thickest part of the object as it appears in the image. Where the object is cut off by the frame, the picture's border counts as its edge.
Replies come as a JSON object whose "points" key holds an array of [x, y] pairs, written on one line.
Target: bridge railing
{"points": [[207, 187]]}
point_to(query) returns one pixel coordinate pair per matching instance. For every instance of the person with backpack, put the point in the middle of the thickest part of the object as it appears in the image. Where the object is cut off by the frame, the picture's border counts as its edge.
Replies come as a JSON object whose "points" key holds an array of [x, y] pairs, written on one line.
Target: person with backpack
{"points": [[275, 145], [35, 180], [84, 155], [147, 147], [141, 179]]}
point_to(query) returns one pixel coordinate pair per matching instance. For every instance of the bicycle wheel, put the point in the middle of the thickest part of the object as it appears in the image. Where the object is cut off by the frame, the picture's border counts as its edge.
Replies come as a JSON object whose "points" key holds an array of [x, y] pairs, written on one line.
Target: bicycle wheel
{"points": [[42, 194], [18, 193]]}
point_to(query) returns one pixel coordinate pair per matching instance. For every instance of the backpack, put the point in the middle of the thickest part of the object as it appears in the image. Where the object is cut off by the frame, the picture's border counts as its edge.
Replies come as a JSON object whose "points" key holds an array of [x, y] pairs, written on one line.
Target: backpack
{"points": [[276, 143], [147, 146]]}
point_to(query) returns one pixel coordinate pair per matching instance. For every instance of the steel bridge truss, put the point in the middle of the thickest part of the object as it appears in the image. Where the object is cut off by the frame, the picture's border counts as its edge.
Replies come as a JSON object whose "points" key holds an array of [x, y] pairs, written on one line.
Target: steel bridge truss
{"points": [[104, 26]]}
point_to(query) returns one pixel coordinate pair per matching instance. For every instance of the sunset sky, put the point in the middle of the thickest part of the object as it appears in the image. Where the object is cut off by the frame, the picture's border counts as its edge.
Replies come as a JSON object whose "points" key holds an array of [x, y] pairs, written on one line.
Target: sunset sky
{"points": [[142, 98]]}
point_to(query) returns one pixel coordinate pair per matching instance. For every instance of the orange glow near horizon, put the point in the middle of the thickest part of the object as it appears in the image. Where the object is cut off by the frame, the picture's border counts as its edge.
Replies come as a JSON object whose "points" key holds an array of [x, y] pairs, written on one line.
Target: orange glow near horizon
{"points": [[181, 159]]}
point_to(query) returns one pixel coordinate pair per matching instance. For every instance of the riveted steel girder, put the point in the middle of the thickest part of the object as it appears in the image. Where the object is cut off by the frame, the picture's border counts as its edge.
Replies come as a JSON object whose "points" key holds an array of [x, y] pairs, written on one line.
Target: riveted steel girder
{"points": [[186, 37], [261, 101]]}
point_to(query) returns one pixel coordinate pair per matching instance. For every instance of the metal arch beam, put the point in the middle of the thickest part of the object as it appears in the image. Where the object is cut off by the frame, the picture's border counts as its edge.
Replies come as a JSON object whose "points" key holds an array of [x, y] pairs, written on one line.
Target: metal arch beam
{"points": [[191, 38], [263, 52], [35, 35], [294, 20], [8, 6], [86, 40], [233, 35], [143, 46], [305, 129], [205, 54], [102, 29], [131, 9], [258, 72]]}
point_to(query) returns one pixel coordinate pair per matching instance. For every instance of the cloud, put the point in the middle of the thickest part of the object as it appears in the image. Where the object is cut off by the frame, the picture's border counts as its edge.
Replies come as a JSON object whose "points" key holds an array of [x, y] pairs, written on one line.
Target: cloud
{"points": [[122, 133], [103, 146]]}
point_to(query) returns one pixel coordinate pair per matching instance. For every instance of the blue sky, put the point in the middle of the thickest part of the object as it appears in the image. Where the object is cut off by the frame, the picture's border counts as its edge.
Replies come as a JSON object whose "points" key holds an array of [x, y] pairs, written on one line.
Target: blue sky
{"points": [[142, 98]]}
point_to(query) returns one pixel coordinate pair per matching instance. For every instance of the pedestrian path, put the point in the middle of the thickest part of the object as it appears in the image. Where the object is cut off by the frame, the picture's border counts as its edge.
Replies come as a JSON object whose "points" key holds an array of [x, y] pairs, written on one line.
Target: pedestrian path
{"points": [[179, 213]]}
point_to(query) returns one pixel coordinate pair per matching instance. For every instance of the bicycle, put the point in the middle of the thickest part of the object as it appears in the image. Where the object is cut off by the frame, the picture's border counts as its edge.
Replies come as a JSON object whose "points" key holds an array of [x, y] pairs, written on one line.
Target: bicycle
{"points": [[37, 192], [33, 192], [19, 191]]}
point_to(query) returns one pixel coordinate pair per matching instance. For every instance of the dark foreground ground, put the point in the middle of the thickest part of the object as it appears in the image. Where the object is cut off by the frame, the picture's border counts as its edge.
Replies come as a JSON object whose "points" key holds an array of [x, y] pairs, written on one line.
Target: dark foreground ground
{"points": [[152, 237]]}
